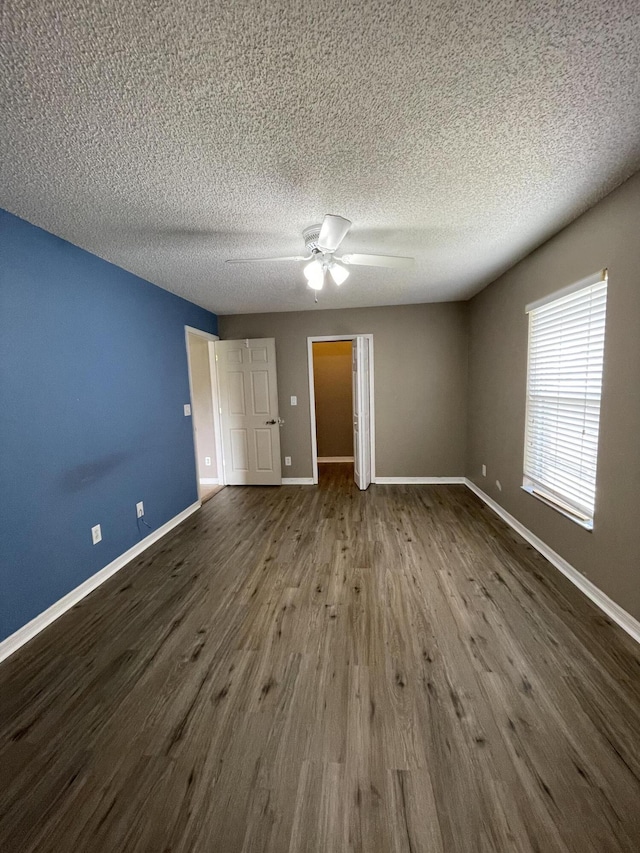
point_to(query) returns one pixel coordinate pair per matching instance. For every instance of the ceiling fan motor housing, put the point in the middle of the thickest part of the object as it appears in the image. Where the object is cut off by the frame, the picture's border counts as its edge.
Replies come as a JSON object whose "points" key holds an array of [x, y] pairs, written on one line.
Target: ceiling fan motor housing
{"points": [[311, 236]]}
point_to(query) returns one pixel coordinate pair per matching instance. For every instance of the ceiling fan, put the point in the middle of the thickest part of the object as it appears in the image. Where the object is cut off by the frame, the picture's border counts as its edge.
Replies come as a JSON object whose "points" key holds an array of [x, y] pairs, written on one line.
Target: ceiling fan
{"points": [[321, 243]]}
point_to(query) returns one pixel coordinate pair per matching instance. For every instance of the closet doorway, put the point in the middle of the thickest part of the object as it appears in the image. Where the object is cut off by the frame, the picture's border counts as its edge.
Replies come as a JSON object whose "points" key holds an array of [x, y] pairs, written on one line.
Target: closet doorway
{"points": [[334, 400], [341, 399]]}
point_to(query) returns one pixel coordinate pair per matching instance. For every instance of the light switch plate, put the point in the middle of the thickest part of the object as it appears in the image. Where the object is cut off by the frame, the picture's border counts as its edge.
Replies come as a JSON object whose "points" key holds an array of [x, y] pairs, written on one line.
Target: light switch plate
{"points": [[294, 401], [187, 410]]}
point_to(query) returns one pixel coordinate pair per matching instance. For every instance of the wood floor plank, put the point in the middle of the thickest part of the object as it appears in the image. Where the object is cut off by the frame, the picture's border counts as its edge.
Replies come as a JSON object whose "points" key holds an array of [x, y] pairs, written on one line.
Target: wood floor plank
{"points": [[321, 669]]}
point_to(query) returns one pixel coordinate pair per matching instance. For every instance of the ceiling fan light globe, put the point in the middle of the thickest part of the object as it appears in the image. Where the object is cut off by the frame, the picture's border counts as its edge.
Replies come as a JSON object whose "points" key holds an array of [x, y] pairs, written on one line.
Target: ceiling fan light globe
{"points": [[338, 274], [312, 270], [314, 273]]}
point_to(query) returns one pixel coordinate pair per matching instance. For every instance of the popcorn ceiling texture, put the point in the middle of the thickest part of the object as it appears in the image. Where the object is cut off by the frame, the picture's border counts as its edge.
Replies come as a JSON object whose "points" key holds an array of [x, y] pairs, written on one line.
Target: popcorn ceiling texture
{"points": [[166, 137]]}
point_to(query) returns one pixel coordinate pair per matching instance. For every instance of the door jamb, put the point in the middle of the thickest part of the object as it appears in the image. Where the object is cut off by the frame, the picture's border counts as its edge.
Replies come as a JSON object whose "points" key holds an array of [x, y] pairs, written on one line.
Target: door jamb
{"points": [[190, 330], [312, 400]]}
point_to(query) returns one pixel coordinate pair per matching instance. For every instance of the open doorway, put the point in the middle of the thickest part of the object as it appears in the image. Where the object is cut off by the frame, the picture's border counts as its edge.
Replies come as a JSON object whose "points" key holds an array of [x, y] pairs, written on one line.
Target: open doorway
{"points": [[342, 405], [204, 411], [333, 386]]}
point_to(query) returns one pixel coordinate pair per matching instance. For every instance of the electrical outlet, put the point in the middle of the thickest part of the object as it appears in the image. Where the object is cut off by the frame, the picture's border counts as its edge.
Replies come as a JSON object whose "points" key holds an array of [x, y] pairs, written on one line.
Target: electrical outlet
{"points": [[96, 534], [499, 485], [294, 401], [207, 460], [139, 509], [287, 460], [484, 470], [187, 410]]}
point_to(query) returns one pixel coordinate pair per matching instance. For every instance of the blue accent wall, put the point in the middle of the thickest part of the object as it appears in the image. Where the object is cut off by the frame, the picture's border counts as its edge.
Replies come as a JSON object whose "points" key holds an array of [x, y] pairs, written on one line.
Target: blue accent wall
{"points": [[93, 379]]}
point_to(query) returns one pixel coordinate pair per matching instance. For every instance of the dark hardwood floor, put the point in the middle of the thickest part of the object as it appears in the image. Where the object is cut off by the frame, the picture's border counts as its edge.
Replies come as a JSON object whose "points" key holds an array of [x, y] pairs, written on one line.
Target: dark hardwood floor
{"points": [[319, 669]]}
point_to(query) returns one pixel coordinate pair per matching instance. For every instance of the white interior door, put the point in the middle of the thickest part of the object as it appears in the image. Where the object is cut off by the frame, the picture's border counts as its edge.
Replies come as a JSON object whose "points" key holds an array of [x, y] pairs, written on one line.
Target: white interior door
{"points": [[361, 413], [250, 426]]}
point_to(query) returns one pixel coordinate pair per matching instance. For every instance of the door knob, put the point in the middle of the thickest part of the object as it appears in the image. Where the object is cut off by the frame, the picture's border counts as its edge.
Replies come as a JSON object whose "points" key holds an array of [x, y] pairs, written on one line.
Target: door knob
{"points": [[271, 422]]}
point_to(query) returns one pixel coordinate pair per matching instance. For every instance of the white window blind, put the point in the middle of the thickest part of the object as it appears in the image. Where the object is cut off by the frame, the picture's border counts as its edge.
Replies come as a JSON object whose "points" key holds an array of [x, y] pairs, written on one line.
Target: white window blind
{"points": [[564, 384]]}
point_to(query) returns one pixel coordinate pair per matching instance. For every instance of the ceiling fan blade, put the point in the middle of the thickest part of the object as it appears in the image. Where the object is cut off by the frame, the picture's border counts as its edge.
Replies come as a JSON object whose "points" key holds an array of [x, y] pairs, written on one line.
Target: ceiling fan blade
{"points": [[377, 261], [260, 260], [332, 232]]}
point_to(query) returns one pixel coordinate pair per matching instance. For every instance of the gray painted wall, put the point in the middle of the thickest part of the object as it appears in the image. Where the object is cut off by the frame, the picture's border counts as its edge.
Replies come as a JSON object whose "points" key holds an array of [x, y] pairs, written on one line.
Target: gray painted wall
{"points": [[606, 236], [420, 381], [334, 397]]}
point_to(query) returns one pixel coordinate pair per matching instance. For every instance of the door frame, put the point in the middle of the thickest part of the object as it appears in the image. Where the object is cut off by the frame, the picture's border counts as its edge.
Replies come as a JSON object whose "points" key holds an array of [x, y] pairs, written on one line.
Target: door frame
{"points": [[312, 399], [217, 432]]}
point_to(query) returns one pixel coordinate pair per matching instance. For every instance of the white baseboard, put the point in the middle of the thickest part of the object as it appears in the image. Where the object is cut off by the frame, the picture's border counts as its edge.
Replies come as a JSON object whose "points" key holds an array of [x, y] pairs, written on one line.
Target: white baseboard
{"points": [[298, 481], [209, 481], [620, 616], [335, 458], [28, 631], [418, 481]]}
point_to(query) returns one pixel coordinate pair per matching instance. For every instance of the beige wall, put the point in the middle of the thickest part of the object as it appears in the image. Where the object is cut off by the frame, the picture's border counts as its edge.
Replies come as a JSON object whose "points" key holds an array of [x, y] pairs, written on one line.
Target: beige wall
{"points": [[202, 406], [606, 236], [420, 379], [333, 393]]}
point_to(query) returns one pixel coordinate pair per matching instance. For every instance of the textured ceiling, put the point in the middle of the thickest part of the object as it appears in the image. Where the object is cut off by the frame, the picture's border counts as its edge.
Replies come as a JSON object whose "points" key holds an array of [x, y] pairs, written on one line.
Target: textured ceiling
{"points": [[167, 137]]}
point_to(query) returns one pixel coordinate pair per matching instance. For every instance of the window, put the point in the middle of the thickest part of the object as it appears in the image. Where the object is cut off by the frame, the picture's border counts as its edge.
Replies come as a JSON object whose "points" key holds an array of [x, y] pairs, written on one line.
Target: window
{"points": [[564, 383]]}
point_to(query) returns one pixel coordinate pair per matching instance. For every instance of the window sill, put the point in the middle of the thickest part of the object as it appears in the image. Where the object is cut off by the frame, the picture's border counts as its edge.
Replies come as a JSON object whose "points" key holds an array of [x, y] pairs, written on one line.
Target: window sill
{"points": [[587, 524]]}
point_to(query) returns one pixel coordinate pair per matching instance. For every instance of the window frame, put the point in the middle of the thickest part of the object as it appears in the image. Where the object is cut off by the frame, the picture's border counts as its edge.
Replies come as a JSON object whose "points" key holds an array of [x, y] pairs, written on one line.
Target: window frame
{"points": [[528, 484]]}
